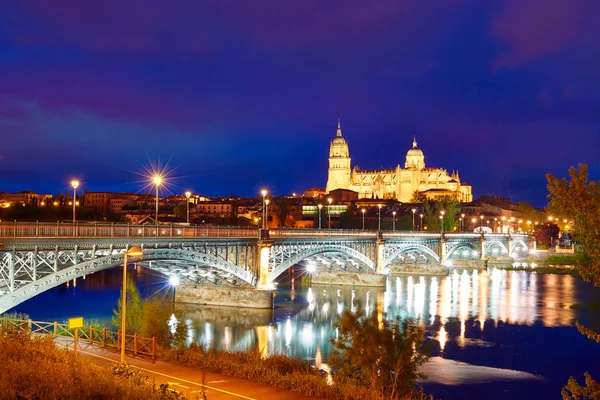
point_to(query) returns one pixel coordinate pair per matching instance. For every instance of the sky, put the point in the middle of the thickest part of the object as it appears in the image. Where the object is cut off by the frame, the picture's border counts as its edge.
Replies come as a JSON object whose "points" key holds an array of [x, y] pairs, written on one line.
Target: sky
{"points": [[241, 95]]}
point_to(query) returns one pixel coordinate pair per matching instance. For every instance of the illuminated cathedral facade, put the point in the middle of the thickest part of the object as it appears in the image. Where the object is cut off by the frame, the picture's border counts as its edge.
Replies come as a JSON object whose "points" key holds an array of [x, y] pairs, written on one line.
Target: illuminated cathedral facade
{"points": [[402, 184]]}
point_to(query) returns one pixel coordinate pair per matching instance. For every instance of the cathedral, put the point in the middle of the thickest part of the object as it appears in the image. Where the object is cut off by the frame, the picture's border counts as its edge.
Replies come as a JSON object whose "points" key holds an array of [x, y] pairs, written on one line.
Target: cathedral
{"points": [[399, 183]]}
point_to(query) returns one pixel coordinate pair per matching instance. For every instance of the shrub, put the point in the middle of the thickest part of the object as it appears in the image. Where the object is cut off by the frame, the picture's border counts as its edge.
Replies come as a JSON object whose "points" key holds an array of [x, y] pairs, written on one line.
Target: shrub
{"points": [[33, 367]]}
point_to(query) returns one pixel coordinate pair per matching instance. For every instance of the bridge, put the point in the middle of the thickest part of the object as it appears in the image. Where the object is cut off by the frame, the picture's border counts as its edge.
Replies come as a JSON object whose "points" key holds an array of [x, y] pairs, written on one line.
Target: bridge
{"points": [[35, 257]]}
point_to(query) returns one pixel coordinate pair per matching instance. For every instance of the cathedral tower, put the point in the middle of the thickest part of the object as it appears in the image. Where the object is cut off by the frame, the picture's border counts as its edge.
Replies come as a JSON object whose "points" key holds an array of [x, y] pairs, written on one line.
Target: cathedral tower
{"points": [[339, 163]]}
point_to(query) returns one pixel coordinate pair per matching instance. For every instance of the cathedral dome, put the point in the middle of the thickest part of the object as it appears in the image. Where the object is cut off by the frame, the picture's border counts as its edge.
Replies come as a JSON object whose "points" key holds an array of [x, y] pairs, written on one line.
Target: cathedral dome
{"points": [[415, 157]]}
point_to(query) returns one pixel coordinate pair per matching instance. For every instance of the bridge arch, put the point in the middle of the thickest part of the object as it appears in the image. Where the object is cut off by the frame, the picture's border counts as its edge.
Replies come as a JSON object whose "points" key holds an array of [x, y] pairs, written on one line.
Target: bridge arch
{"points": [[114, 259], [455, 252], [517, 247], [491, 244], [318, 249], [412, 247]]}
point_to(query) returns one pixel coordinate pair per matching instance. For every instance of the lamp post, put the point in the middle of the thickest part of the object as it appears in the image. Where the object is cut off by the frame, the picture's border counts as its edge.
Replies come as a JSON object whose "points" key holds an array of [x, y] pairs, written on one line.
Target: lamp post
{"points": [[442, 219], [157, 180], [481, 226], [363, 211], [329, 200], [266, 213], [414, 210], [379, 218], [462, 222], [474, 221], [320, 207], [264, 194], [503, 223], [421, 216], [394, 221], [74, 183], [187, 203], [132, 252]]}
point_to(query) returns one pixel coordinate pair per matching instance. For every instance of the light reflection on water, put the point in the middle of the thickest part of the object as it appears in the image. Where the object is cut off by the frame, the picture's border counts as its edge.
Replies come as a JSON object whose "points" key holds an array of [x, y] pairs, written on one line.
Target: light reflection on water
{"points": [[476, 300]]}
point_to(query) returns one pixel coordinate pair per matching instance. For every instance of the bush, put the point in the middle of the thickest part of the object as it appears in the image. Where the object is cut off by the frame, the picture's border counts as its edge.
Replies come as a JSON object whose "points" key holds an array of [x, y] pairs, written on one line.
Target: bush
{"points": [[58, 374]]}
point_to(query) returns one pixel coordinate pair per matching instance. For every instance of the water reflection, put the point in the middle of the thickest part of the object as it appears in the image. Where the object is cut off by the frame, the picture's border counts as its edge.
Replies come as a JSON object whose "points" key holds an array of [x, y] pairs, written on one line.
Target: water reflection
{"points": [[456, 308]]}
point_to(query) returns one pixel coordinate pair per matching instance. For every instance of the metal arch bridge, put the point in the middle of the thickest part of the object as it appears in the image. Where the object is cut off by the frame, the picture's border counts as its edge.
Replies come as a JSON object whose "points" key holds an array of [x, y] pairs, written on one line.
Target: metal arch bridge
{"points": [[35, 257]]}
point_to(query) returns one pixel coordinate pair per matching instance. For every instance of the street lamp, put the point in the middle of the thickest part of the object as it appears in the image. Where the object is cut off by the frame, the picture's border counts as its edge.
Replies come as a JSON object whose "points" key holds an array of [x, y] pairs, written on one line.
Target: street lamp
{"points": [[267, 213], [414, 210], [363, 211], [320, 207], [187, 203], [394, 221], [379, 219], [134, 251], [264, 194], [474, 221], [481, 216], [74, 183], [462, 222], [442, 219], [157, 180], [329, 200], [421, 216]]}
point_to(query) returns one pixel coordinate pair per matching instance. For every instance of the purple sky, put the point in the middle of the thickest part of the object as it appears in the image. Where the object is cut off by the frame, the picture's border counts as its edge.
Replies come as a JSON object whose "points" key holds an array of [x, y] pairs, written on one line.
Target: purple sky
{"points": [[245, 94]]}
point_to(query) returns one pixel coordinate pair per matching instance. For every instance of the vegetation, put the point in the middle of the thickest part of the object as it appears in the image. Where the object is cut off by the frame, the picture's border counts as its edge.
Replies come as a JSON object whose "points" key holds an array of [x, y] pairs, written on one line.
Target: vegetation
{"points": [[379, 355], [133, 313], [432, 211], [578, 199], [58, 374], [299, 376]]}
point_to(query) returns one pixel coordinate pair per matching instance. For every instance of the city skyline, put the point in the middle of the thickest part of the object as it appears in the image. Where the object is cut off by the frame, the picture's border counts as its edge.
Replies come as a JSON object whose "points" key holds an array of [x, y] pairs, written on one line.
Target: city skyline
{"points": [[245, 97]]}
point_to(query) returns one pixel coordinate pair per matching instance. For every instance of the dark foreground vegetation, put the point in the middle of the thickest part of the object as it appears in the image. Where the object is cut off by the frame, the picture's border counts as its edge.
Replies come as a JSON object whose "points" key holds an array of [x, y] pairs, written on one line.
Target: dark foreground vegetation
{"points": [[380, 361], [34, 368]]}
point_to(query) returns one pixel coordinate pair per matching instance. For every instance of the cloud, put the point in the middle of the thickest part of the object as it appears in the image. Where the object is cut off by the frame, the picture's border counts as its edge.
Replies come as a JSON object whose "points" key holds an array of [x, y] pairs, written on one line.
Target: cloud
{"points": [[533, 29]]}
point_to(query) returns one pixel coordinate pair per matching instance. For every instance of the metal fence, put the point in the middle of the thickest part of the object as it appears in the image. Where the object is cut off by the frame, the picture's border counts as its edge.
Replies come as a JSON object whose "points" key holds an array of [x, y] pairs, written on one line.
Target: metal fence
{"points": [[134, 344], [14, 229]]}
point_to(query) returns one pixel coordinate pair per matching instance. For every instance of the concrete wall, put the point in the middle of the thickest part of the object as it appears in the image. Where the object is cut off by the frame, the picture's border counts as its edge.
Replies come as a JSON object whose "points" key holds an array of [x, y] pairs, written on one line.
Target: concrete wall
{"points": [[423, 269], [225, 316], [348, 279], [224, 296]]}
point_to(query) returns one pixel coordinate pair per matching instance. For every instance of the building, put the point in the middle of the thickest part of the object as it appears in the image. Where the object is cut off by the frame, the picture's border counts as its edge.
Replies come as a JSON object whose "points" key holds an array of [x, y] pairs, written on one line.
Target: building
{"points": [[24, 198], [397, 183]]}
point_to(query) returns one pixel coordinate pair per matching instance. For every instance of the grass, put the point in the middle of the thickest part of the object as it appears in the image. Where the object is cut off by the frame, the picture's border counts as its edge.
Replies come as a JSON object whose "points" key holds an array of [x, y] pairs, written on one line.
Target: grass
{"points": [[276, 371], [35, 368]]}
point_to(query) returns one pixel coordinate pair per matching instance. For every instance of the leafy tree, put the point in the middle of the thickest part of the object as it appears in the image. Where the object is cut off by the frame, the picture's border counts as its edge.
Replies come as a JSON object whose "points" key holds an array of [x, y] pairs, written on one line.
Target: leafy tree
{"points": [[432, 211], [378, 354], [418, 197], [180, 210], [133, 313], [156, 322], [579, 199], [348, 220]]}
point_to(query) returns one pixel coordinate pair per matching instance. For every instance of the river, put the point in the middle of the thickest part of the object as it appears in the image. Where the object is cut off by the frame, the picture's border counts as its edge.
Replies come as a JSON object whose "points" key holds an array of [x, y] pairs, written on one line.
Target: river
{"points": [[494, 334]]}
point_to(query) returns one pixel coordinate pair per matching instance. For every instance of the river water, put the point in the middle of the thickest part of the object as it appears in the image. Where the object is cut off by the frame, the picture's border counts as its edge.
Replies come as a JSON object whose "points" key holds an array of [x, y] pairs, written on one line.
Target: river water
{"points": [[493, 334]]}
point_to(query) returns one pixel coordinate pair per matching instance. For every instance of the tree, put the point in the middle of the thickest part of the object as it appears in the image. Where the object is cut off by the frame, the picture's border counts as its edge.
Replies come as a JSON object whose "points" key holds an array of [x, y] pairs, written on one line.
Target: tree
{"points": [[418, 197], [432, 211], [180, 210], [158, 321], [133, 313], [579, 199], [379, 354]]}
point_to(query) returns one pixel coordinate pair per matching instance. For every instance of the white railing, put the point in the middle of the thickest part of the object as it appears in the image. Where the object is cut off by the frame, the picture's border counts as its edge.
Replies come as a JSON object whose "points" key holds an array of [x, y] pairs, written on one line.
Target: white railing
{"points": [[14, 229], [104, 230]]}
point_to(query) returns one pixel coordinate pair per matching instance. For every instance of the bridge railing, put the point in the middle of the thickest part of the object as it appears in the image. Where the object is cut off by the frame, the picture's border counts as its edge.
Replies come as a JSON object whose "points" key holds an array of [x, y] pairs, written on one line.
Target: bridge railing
{"points": [[135, 344], [282, 233], [14, 229]]}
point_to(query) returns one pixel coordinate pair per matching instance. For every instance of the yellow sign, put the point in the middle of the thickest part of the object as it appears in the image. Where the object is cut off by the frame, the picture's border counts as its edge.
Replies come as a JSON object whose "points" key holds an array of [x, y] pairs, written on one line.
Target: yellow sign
{"points": [[76, 322]]}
